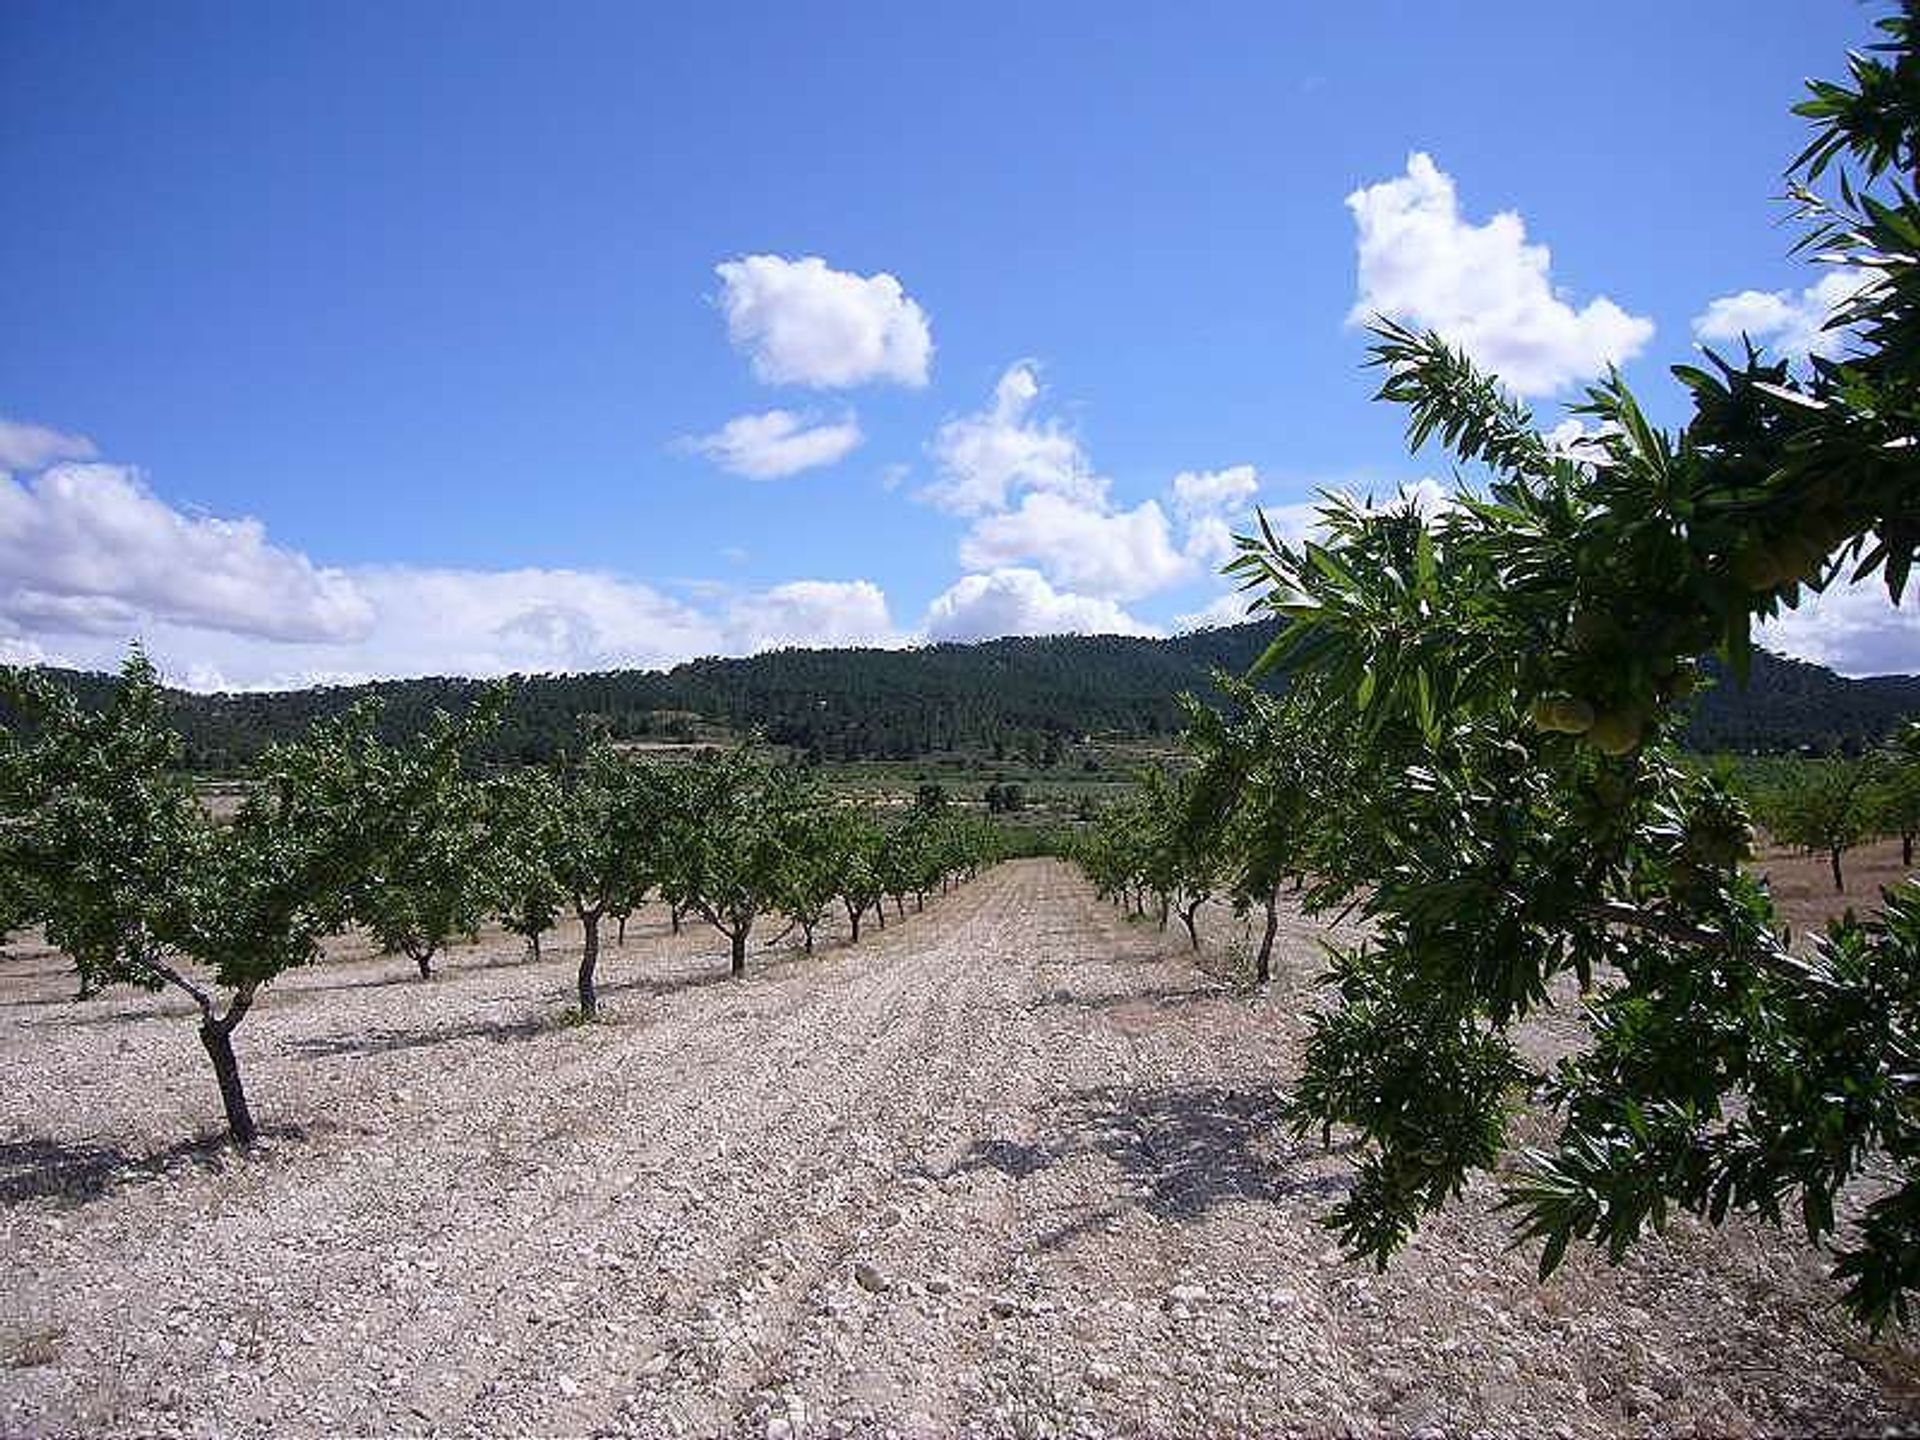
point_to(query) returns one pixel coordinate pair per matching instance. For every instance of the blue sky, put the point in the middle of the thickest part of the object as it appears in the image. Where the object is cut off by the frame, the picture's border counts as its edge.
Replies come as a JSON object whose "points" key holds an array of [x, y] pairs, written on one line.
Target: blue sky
{"points": [[371, 339]]}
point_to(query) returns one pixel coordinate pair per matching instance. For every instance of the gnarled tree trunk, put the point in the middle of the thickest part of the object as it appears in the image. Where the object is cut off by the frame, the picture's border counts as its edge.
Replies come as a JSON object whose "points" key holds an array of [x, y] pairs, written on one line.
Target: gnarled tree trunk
{"points": [[1263, 965], [216, 1035], [739, 940], [589, 957], [1187, 914]]}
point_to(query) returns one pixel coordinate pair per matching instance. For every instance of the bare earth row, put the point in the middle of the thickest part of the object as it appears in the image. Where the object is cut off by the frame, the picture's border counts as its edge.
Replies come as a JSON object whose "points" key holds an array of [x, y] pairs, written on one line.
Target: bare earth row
{"points": [[1008, 1167]]}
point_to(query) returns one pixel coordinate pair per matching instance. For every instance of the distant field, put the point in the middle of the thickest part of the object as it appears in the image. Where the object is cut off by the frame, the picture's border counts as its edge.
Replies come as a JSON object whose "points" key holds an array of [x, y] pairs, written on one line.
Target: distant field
{"points": [[1803, 886]]}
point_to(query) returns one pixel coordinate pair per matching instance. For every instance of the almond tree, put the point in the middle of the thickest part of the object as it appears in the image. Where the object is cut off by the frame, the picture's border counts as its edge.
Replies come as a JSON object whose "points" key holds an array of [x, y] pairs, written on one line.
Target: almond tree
{"points": [[1896, 799], [1269, 767], [1512, 670], [435, 879], [607, 837], [136, 882], [732, 840], [1824, 807], [523, 815], [858, 843]]}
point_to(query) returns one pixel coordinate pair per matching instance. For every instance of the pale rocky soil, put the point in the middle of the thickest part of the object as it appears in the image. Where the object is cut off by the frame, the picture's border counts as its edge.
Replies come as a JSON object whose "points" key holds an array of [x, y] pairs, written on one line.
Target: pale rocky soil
{"points": [[1007, 1168]]}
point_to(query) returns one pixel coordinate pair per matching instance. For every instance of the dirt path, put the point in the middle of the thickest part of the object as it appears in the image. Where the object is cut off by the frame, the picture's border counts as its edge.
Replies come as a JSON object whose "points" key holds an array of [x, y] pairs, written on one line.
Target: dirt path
{"points": [[1007, 1167]]}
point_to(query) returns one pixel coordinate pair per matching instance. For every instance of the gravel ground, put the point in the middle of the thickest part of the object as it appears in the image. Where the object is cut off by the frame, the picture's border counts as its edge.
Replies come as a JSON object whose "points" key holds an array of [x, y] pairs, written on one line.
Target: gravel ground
{"points": [[1006, 1168]]}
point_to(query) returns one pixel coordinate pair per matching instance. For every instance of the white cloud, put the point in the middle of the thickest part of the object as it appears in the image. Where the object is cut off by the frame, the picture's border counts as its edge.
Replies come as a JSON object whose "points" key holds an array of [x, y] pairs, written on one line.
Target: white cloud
{"points": [[1208, 492], [814, 613], [985, 458], [1227, 609], [87, 549], [34, 447], [1021, 602], [1788, 321], [1483, 287], [1120, 555], [443, 621], [1210, 503], [90, 559], [1852, 629], [804, 323], [777, 443]]}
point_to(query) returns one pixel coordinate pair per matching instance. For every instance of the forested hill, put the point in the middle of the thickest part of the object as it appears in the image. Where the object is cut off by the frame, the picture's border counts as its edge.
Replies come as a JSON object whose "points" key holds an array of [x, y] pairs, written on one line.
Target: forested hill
{"points": [[1027, 697]]}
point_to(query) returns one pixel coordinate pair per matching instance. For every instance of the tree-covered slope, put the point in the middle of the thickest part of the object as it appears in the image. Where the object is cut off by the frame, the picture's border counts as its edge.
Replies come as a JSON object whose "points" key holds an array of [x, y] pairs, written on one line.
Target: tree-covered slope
{"points": [[1023, 695]]}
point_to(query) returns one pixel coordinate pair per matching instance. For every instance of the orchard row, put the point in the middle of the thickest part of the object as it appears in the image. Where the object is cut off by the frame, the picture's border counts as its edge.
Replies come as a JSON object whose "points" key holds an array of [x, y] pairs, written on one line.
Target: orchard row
{"points": [[106, 846]]}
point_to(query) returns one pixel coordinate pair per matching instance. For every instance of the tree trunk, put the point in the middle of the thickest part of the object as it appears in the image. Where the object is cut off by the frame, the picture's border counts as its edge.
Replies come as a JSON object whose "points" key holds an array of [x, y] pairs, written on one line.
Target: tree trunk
{"points": [[900, 906], [676, 919], [880, 912], [1263, 966], [424, 959], [739, 938], [919, 901], [620, 930], [807, 930], [589, 957], [1187, 915], [1839, 881], [853, 919], [1906, 847], [533, 942], [1165, 904], [217, 1037]]}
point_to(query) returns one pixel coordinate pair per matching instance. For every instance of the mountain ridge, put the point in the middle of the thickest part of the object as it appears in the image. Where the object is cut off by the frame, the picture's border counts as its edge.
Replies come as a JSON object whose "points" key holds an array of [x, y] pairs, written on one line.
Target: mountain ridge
{"points": [[1029, 694]]}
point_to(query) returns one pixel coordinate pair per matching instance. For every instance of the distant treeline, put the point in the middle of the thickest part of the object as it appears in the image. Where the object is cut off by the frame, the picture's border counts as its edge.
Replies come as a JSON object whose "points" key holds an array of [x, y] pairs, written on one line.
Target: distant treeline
{"points": [[1016, 698]]}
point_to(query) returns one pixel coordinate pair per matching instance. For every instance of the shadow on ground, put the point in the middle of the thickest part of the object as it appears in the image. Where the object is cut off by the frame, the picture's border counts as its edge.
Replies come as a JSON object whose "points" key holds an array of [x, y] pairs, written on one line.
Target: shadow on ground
{"points": [[1164, 997], [385, 1041], [39, 1168], [1179, 1151]]}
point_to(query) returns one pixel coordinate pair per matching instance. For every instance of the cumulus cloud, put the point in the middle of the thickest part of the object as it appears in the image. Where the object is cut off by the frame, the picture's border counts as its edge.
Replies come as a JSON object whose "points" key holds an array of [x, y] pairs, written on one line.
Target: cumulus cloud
{"points": [[1021, 602], [1791, 322], [986, 458], [1483, 286], [777, 443], [1121, 555], [90, 559], [1852, 629], [814, 613], [34, 447], [1210, 503], [446, 621], [801, 322], [1207, 492], [88, 549]]}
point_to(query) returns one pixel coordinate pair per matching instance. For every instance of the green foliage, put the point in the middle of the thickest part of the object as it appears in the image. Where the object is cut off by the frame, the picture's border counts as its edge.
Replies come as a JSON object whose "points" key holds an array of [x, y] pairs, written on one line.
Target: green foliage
{"points": [[729, 854], [437, 868], [1506, 680], [524, 823], [140, 886], [1825, 807]]}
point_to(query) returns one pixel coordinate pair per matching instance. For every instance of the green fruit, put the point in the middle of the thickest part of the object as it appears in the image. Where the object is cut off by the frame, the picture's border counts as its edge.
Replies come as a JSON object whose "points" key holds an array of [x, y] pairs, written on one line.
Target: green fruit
{"points": [[1572, 717], [1616, 732], [1544, 712]]}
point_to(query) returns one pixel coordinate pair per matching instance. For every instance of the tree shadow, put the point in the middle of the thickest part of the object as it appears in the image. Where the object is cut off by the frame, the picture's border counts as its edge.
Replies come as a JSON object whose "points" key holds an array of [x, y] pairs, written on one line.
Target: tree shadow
{"points": [[1180, 1151], [40, 1168], [386, 1041], [1166, 997], [654, 985]]}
